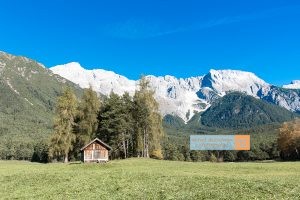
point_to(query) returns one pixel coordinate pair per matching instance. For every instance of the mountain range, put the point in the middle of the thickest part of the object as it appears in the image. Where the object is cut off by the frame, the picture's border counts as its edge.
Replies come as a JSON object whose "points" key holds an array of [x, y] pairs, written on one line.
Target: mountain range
{"points": [[183, 97]]}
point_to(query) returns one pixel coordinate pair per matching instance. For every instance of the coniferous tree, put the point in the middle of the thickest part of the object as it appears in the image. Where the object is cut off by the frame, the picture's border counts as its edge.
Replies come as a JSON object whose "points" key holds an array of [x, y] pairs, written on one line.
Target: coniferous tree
{"points": [[115, 124], [133, 127], [107, 130], [63, 137]]}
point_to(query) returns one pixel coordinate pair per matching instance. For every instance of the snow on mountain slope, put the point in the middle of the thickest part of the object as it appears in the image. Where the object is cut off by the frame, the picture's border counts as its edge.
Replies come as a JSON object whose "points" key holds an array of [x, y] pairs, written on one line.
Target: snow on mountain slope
{"points": [[175, 96], [287, 98], [293, 85], [101, 80], [184, 97], [178, 96], [222, 81]]}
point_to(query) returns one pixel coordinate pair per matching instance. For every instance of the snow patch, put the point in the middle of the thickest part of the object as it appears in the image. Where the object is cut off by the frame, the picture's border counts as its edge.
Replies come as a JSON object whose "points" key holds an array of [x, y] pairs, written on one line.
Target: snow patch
{"points": [[11, 87], [28, 101], [34, 72]]}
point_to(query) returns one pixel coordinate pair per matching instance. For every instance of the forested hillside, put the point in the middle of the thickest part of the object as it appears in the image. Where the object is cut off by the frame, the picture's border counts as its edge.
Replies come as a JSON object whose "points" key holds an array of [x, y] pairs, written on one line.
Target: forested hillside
{"points": [[237, 110], [28, 93]]}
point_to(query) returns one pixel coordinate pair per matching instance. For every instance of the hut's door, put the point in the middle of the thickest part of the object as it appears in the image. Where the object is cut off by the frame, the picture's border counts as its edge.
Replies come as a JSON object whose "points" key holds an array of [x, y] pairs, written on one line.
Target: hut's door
{"points": [[99, 152], [96, 154]]}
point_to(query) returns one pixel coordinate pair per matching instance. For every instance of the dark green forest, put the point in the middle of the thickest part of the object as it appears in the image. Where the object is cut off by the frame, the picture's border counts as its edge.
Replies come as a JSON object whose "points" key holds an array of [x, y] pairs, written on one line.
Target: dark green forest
{"points": [[237, 110]]}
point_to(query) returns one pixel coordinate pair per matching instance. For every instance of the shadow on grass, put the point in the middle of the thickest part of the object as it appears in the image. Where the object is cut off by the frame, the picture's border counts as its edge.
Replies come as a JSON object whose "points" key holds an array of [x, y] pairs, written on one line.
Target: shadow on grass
{"points": [[75, 163]]}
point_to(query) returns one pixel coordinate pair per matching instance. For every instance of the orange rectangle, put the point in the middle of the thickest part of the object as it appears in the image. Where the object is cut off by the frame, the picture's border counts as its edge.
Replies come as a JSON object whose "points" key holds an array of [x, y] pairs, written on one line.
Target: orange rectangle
{"points": [[242, 142]]}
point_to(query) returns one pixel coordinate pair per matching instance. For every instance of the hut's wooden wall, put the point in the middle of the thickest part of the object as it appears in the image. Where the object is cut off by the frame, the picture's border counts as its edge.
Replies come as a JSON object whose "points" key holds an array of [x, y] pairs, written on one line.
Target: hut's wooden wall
{"points": [[95, 152]]}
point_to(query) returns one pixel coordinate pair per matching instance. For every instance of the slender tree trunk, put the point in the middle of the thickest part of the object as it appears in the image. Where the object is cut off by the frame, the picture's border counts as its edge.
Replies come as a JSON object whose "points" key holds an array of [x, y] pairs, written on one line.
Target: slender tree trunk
{"points": [[144, 144], [124, 146], [125, 151], [127, 148], [66, 158], [147, 149]]}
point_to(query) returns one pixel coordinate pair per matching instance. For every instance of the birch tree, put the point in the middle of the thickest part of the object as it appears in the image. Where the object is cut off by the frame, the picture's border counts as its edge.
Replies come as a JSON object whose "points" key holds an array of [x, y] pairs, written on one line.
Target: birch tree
{"points": [[148, 122]]}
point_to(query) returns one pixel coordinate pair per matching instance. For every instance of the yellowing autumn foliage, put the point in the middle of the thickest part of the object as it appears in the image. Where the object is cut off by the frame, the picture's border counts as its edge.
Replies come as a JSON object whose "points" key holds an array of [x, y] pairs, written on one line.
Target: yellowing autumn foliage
{"points": [[289, 140]]}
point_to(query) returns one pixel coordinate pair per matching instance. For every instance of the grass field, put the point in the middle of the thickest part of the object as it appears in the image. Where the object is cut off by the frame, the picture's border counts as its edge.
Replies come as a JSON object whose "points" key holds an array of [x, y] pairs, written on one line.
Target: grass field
{"points": [[150, 179]]}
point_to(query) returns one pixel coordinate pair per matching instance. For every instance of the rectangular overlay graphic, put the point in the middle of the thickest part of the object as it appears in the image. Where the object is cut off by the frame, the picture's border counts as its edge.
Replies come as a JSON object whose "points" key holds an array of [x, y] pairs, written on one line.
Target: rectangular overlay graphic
{"points": [[220, 142]]}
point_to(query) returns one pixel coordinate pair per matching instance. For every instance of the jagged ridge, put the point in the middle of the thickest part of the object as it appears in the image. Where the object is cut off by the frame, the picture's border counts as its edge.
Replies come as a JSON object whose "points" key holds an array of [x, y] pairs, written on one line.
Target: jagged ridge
{"points": [[184, 97]]}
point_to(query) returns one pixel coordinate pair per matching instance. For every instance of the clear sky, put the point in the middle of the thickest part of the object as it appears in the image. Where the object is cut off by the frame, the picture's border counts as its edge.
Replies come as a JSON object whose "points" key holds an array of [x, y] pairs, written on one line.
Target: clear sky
{"points": [[181, 38]]}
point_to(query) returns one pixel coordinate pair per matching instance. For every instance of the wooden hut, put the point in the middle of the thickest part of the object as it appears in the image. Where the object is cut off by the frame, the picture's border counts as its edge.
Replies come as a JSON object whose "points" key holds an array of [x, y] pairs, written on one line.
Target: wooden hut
{"points": [[95, 151]]}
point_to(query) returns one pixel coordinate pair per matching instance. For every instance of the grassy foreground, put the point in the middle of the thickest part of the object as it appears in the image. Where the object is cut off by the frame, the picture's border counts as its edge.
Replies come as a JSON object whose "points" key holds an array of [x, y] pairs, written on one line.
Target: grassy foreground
{"points": [[150, 179]]}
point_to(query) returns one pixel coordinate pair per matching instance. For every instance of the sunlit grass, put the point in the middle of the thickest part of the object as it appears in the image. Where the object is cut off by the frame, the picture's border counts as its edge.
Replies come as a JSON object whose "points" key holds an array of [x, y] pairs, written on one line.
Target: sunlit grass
{"points": [[150, 179]]}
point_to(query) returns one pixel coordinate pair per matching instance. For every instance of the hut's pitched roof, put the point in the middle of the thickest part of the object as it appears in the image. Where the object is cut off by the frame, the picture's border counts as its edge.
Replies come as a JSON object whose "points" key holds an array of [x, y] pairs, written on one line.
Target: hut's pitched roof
{"points": [[96, 140]]}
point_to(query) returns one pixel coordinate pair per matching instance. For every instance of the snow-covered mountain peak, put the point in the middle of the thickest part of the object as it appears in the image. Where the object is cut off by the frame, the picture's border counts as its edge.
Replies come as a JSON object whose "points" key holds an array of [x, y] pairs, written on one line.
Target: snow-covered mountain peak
{"points": [[101, 80], [72, 67], [222, 81], [75, 68], [293, 85], [235, 76]]}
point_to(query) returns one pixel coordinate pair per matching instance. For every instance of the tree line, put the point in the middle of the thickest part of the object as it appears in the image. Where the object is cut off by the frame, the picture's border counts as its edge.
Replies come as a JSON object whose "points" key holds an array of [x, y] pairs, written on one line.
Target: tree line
{"points": [[265, 150], [132, 126], [273, 144]]}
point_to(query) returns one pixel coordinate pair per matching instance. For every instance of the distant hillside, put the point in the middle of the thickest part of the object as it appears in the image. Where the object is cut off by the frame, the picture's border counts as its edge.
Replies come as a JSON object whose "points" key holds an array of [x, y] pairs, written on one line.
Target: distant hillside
{"points": [[237, 110], [28, 92], [173, 121]]}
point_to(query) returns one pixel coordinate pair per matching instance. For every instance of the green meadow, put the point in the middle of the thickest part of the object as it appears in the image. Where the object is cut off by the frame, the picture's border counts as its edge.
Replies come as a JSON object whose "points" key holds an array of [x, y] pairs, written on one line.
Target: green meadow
{"points": [[150, 179]]}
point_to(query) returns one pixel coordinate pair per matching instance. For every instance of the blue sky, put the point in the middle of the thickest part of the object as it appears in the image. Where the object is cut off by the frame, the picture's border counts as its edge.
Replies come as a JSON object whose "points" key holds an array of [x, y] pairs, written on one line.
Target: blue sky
{"points": [[180, 38]]}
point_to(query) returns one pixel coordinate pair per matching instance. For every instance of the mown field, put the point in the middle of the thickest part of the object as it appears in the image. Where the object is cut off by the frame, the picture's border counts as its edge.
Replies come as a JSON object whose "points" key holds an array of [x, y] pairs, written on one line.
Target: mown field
{"points": [[150, 179]]}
